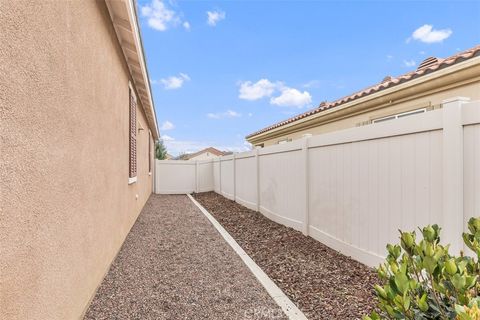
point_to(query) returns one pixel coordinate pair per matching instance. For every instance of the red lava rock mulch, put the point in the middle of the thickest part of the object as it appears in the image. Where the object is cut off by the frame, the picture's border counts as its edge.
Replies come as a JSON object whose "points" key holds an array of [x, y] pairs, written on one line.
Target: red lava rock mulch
{"points": [[323, 283]]}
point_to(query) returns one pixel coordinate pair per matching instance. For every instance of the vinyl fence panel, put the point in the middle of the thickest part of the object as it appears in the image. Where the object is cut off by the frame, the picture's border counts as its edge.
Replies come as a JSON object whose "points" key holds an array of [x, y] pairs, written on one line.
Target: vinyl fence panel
{"points": [[471, 161], [227, 178], [282, 184], [245, 180], [205, 176], [361, 193], [216, 176], [353, 189], [174, 177]]}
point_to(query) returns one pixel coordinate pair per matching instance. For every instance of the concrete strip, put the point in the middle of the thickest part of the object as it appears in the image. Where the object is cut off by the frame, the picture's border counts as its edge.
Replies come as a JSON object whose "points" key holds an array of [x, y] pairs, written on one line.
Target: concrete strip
{"points": [[288, 307]]}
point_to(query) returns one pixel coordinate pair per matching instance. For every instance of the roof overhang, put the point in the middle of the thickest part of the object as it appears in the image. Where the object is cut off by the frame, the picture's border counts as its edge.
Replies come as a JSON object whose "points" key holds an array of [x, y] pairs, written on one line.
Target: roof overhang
{"points": [[124, 18], [457, 75]]}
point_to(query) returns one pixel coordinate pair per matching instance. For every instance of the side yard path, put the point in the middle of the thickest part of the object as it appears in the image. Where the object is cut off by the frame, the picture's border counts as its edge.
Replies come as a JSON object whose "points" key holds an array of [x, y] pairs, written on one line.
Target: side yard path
{"points": [[175, 265], [323, 283]]}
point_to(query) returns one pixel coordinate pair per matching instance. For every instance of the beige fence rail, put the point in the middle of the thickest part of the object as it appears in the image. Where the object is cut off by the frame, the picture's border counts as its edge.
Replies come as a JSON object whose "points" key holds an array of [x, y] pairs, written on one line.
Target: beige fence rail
{"points": [[353, 189]]}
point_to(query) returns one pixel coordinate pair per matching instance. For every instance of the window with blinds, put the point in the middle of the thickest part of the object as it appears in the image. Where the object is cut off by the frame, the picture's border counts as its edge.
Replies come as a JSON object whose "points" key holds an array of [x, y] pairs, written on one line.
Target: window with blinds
{"points": [[132, 174]]}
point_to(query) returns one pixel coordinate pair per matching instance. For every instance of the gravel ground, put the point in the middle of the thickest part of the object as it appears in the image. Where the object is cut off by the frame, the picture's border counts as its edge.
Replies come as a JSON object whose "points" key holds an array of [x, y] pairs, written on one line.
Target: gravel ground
{"points": [[175, 265], [323, 283]]}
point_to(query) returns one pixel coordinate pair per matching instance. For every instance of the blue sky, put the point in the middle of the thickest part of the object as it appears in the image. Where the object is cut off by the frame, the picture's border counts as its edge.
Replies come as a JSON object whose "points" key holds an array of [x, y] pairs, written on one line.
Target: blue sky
{"points": [[223, 69]]}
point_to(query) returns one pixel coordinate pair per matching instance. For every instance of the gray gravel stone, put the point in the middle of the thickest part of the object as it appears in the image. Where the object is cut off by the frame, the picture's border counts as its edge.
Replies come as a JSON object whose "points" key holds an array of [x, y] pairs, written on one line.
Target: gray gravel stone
{"points": [[175, 265]]}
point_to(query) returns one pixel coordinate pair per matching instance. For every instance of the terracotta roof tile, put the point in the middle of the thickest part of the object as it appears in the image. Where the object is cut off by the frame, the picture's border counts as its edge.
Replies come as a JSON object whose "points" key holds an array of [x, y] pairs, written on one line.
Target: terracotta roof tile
{"points": [[429, 65]]}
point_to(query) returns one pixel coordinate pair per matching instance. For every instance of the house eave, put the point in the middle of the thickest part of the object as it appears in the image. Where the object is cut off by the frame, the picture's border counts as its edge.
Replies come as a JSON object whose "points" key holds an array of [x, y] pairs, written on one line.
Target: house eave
{"points": [[124, 19]]}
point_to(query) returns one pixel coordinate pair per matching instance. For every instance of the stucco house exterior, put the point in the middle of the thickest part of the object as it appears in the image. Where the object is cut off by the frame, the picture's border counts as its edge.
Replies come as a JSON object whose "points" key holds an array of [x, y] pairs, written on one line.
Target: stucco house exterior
{"points": [[205, 154], [420, 90], [77, 133]]}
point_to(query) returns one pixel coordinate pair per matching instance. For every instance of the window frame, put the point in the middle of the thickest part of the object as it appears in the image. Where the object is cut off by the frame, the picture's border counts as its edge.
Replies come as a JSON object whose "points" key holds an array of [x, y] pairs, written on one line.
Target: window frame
{"points": [[286, 140], [399, 115], [150, 153], [132, 155]]}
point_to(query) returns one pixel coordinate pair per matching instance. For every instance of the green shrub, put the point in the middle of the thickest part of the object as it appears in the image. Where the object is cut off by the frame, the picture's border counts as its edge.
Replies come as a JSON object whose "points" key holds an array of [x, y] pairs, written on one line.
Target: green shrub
{"points": [[421, 280]]}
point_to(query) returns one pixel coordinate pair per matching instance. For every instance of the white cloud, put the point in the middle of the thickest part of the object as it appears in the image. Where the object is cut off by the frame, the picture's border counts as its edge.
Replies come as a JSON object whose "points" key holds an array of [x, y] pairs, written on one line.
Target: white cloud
{"points": [[389, 57], [165, 137], [291, 97], [226, 114], [213, 17], [409, 63], [173, 82], [213, 115], [186, 25], [288, 97], [254, 91], [250, 114], [427, 34], [247, 145], [159, 16], [422, 53], [312, 84], [167, 125]]}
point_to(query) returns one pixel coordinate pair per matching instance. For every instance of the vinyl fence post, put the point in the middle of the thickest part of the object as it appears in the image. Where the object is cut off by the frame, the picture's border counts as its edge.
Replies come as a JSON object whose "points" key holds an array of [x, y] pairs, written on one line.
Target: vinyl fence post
{"points": [[306, 217], [196, 176], [257, 177], [220, 175], [234, 179], [453, 214], [212, 176]]}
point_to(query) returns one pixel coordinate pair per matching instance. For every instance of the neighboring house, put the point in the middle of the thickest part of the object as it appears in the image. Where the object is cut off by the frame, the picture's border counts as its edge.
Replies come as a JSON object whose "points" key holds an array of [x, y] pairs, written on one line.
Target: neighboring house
{"points": [[434, 80], [205, 154], [77, 135]]}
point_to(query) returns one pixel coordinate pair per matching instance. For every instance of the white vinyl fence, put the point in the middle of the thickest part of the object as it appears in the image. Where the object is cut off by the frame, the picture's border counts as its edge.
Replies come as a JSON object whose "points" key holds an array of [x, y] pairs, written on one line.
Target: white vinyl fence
{"points": [[179, 177], [353, 189]]}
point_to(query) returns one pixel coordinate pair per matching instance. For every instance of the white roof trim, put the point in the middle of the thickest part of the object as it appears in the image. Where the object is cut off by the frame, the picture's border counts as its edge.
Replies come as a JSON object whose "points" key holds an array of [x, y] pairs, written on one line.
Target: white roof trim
{"points": [[124, 20]]}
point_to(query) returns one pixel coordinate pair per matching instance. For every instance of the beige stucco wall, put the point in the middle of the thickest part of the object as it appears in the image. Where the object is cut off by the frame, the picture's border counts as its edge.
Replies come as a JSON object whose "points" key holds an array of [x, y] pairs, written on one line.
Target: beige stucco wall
{"points": [[471, 90], [66, 206]]}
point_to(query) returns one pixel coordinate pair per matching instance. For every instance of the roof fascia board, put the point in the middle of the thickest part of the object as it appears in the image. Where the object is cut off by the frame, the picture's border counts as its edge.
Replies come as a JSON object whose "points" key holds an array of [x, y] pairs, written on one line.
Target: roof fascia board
{"points": [[138, 68]]}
